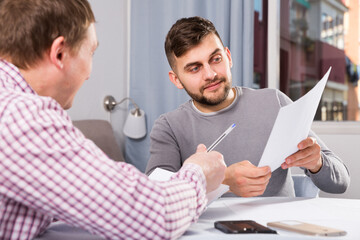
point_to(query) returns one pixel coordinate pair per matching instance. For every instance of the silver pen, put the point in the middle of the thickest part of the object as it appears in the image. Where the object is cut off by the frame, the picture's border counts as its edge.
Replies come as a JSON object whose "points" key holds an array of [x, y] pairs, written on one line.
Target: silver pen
{"points": [[217, 141]]}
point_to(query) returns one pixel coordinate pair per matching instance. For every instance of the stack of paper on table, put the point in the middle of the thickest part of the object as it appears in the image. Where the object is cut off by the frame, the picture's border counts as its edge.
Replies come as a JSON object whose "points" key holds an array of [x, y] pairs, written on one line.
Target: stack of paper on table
{"points": [[160, 174]]}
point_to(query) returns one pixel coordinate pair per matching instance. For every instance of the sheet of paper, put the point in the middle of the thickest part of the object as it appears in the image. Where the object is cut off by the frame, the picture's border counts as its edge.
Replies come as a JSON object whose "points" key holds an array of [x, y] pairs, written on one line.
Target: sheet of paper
{"points": [[160, 174], [291, 126]]}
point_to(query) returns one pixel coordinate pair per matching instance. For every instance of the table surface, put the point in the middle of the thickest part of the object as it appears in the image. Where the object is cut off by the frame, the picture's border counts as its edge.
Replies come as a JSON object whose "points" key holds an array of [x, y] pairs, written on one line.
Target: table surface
{"points": [[336, 213], [330, 212]]}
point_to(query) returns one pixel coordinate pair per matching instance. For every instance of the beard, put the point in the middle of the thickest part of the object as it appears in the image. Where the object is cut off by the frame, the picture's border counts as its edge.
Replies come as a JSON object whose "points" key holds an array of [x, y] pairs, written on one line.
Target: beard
{"points": [[202, 99]]}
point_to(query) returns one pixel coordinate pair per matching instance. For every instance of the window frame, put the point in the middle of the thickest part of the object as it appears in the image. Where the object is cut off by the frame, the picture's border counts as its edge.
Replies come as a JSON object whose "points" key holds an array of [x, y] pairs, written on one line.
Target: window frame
{"points": [[273, 73]]}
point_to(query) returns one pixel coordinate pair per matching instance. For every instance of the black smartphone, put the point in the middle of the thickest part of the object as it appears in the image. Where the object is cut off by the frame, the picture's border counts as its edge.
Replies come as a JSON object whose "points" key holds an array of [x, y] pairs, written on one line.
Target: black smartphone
{"points": [[242, 226]]}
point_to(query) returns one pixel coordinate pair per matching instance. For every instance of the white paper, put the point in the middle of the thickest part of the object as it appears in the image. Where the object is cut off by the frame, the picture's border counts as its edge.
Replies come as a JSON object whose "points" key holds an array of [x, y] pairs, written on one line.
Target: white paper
{"points": [[291, 126], [160, 174]]}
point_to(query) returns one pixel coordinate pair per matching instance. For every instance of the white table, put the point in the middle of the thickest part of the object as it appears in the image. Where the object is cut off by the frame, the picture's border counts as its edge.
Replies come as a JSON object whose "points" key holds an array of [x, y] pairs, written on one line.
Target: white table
{"points": [[331, 212]]}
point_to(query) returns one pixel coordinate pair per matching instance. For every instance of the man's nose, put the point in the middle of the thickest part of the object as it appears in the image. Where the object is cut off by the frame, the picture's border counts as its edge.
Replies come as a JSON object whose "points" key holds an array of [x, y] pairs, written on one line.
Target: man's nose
{"points": [[209, 73]]}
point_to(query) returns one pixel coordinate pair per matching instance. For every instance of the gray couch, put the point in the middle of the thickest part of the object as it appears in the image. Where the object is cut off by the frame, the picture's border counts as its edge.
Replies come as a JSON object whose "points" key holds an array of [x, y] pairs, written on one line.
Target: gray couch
{"points": [[102, 134]]}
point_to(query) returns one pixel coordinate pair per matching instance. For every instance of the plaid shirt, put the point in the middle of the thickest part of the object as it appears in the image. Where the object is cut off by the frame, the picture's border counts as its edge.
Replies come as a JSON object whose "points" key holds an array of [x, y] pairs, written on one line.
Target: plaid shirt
{"points": [[48, 169]]}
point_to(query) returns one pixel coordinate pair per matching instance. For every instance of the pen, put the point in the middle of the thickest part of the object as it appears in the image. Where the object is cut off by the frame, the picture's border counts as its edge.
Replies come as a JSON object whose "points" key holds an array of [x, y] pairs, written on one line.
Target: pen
{"points": [[217, 141]]}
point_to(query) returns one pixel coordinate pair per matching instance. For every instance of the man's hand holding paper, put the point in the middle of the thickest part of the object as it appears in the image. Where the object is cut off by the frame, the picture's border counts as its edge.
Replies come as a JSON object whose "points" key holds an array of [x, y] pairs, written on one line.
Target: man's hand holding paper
{"points": [[308, 156], [288, 144]]}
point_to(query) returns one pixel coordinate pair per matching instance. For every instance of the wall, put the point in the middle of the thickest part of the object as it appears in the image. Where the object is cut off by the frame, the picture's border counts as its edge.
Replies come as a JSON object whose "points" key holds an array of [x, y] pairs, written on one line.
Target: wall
{"points": [[110, 66], [343, 138]]}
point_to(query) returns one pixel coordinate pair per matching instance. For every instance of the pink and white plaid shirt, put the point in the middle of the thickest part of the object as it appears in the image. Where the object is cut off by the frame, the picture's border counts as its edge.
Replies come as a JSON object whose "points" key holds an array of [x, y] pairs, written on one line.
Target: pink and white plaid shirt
{"points": [[48, 169]]}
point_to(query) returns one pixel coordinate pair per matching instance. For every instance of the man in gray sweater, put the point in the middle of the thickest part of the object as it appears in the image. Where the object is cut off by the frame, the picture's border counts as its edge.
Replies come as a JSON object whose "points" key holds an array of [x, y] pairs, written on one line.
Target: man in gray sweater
{"points": [[202, 66]]}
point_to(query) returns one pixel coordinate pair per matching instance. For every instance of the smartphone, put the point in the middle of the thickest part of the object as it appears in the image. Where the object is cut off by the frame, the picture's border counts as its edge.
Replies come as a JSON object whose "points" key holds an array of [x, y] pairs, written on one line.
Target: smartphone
{"points": [[307, 228], [242, 226]]}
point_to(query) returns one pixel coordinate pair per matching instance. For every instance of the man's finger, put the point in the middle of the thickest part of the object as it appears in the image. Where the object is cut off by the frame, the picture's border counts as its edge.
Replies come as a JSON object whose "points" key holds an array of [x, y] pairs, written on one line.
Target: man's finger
{"points": [[306, 143], [201, 148]]}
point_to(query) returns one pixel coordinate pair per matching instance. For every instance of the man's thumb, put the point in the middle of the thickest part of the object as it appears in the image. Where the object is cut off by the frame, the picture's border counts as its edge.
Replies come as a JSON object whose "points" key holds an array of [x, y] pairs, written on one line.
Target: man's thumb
{"points": [[201, 148]]}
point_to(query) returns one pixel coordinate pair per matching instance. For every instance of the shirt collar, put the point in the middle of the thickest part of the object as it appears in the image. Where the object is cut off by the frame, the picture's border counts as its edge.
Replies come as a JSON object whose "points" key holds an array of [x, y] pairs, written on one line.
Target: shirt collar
{"points": [[14, 78]]}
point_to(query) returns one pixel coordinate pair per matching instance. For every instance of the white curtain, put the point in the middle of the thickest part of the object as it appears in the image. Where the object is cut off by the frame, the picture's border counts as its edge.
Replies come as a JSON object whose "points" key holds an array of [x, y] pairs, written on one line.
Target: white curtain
{"points": [[149, 84]]}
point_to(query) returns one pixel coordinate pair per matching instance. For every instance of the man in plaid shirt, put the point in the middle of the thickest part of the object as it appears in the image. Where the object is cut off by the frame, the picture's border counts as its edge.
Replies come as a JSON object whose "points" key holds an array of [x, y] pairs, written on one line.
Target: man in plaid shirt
{"points": [[48, 169]]}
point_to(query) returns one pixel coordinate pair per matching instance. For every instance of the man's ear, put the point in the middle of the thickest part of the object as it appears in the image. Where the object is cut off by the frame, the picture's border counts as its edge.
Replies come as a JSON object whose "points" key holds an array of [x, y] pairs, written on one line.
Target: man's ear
{"points": [[228, 54], [57, 52], [175, 80]]}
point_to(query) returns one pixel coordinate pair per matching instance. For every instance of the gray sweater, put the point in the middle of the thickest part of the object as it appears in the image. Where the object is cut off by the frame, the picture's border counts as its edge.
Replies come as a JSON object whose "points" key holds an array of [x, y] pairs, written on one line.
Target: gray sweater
{"points": [[175, 136]]}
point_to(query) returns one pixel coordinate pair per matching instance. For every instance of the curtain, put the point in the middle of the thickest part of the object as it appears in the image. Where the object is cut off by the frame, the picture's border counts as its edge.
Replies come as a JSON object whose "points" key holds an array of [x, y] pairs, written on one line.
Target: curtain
{"points": [[149, 84]]}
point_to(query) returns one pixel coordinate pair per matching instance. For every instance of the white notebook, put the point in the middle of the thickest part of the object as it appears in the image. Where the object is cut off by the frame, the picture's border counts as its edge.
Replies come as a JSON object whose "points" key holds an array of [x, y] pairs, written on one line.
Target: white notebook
{"points": [[160, 174]]}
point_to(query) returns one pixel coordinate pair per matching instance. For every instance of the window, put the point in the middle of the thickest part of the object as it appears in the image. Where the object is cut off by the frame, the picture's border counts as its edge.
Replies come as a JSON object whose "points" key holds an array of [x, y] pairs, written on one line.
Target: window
{"points": [[260, 43], [315, 35]]}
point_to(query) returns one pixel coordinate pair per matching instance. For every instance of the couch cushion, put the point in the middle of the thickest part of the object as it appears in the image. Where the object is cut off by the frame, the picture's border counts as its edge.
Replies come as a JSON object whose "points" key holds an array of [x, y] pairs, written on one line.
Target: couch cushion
{"points": [[102, 134]]}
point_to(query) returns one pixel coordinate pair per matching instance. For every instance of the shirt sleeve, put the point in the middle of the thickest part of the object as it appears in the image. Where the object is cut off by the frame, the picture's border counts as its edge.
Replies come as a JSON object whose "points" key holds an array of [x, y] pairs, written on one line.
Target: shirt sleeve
{"points": [[164, 148], [333, 176], [49, 166]]}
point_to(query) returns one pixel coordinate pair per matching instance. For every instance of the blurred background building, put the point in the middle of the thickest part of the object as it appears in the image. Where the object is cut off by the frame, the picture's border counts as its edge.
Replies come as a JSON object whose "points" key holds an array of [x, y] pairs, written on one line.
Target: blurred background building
{"points": [[314, 35]]}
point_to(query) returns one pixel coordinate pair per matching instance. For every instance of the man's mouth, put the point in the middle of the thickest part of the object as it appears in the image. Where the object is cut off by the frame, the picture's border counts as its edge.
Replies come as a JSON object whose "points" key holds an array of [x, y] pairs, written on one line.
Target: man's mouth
{"points": [[213, 85]]}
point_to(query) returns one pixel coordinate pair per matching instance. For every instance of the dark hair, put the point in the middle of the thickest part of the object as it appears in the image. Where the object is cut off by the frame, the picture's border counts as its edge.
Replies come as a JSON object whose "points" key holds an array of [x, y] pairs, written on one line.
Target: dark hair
{"points": [[29, 27], [185, 34]]}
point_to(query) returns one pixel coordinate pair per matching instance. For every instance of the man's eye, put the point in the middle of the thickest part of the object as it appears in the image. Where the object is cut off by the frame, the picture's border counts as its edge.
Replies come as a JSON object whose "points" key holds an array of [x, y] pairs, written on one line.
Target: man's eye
{"points": [[216, 59], [194, 69]]}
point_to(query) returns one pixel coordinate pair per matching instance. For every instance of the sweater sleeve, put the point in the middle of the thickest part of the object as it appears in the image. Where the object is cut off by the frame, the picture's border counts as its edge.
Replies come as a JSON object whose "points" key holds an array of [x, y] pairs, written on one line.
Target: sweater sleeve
{"points": [[333, 176], [164, 149]]}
